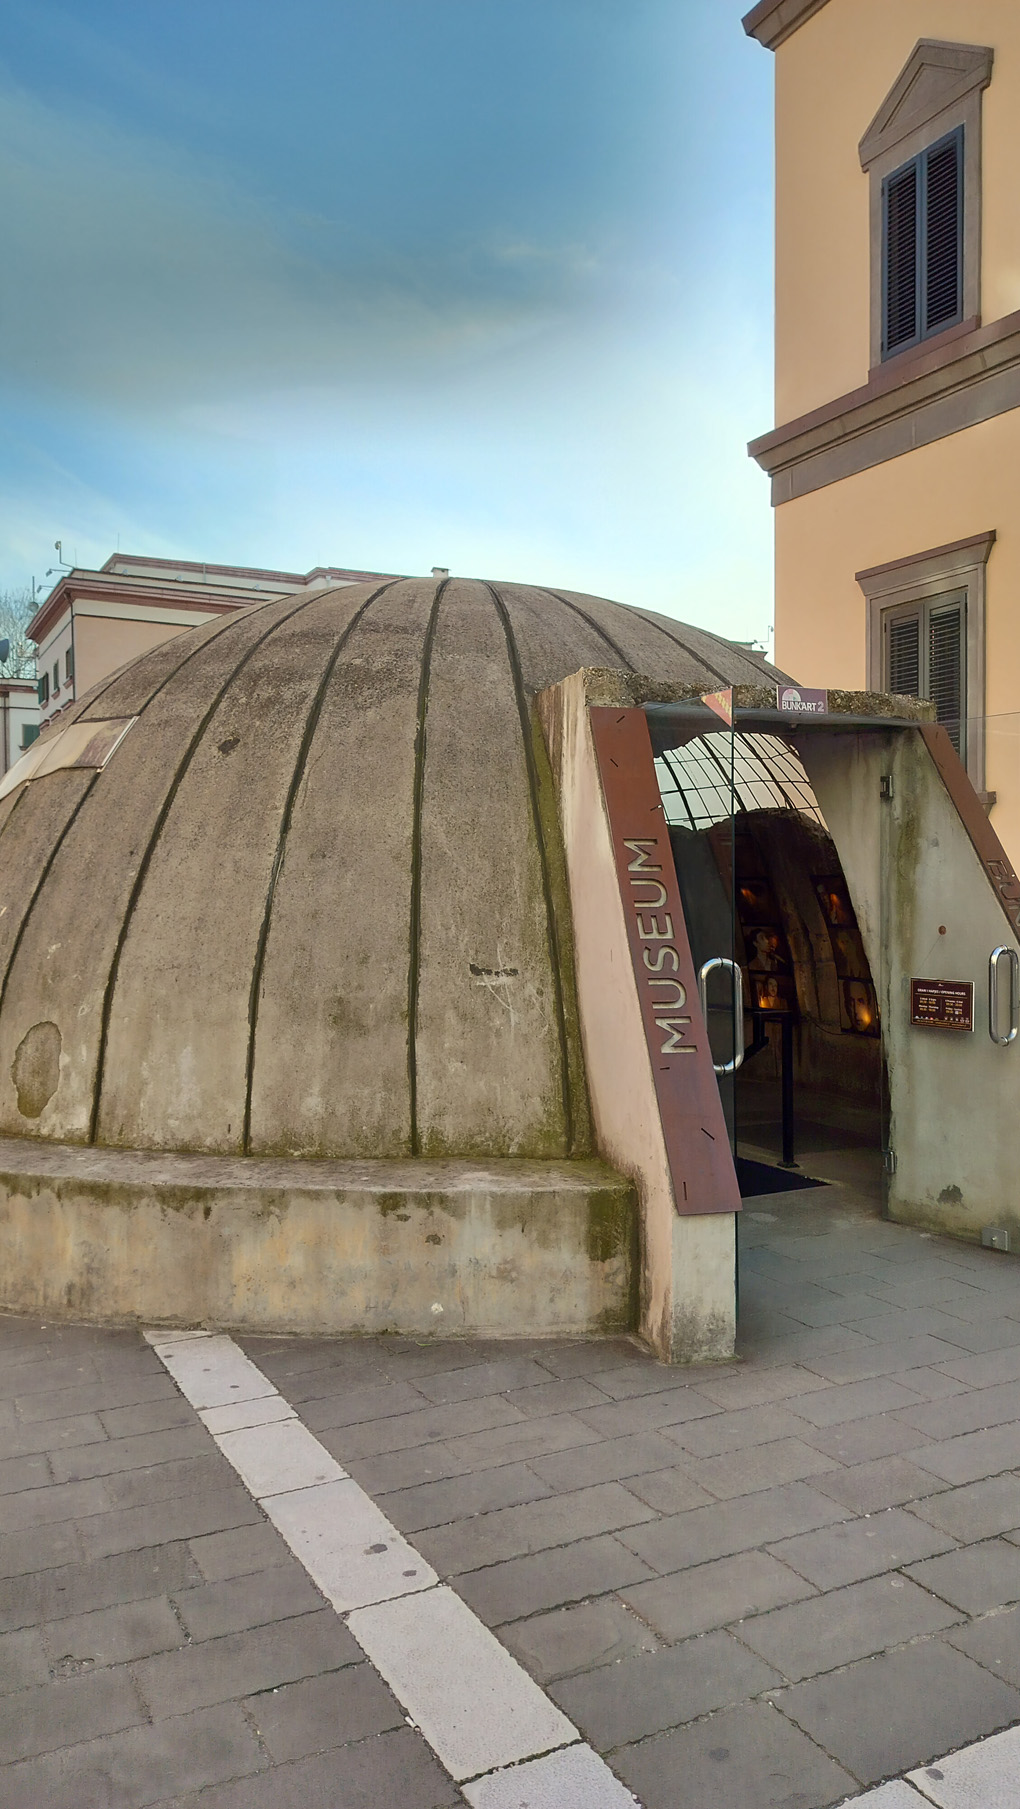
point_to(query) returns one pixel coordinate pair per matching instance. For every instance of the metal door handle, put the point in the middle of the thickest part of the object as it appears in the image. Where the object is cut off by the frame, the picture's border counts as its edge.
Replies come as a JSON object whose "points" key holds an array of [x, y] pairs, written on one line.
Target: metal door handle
{"points": [[738, 1009], [993, 995]]}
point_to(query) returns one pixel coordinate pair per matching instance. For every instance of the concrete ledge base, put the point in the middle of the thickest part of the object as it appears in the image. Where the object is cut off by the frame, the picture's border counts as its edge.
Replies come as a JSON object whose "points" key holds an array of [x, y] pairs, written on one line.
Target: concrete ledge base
{"points": [[502, 1249], [957, 1217]]}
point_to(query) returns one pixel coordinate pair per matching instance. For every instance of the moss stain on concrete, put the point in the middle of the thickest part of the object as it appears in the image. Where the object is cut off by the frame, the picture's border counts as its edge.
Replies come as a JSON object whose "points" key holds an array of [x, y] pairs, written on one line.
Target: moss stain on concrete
{"points": [[557, 1257], [549, 818]]}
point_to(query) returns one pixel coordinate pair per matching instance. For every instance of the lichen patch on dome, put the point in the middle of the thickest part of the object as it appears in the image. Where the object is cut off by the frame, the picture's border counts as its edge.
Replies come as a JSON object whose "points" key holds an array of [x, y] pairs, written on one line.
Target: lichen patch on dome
{"points": [[35, 1069]]}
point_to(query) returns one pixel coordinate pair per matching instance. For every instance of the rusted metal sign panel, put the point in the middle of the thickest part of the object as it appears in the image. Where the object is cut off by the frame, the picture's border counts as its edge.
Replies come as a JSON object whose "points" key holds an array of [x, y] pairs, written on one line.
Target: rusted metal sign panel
{"points": [[992, 855], [942, 1004], [697, 1146]]}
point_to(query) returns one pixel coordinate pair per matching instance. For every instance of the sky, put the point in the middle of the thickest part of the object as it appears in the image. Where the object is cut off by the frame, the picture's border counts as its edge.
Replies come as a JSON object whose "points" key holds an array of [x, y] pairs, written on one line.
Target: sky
{"points": [[390, 284]]}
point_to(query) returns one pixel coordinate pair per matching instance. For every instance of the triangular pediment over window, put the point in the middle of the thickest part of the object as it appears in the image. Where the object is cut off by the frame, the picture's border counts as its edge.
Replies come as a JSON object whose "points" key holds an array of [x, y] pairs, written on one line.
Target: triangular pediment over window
{"points": [[936, 76]]}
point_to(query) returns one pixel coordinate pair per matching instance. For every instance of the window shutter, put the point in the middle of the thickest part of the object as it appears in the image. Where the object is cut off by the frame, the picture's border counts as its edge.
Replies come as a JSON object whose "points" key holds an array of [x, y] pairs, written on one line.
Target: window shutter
{"points": [[945, 669], [904, 659], [901, 257], [942, 235]]}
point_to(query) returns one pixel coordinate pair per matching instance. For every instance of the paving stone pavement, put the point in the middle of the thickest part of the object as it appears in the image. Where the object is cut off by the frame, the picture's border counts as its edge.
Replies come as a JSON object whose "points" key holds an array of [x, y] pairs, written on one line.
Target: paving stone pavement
{"points": [[779, 1582]]}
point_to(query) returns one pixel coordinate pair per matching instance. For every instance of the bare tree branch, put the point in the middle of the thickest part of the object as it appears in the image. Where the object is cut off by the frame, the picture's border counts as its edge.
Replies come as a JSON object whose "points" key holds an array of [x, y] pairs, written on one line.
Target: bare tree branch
{"points": [[16, 611]]}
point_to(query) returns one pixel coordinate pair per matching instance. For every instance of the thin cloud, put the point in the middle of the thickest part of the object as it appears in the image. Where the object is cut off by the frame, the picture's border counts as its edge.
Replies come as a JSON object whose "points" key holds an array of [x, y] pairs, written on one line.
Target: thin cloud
{"points": [[391, 286], [131, 275]]}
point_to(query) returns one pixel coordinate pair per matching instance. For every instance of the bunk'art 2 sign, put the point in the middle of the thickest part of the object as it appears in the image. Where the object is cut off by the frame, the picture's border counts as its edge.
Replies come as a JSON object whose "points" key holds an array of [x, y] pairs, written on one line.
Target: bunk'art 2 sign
{"points": [[798, 700]]}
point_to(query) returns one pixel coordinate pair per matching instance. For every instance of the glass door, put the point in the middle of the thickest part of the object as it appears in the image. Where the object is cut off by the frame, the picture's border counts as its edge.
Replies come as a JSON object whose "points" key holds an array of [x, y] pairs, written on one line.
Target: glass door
{"points": [[699, 794]]}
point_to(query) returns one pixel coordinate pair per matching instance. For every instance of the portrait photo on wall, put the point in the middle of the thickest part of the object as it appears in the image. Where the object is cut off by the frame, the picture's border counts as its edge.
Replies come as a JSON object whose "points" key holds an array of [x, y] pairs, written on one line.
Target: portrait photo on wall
{"points": [[773, 992], [848, 952], [755, 901], [861, 1006], [834, 899], [766, 949], [857, 1000]]}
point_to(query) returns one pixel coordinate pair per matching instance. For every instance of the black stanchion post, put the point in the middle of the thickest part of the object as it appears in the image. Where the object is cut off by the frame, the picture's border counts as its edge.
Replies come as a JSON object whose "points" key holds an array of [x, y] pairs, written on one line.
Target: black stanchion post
{"points": [[786, 1023]]}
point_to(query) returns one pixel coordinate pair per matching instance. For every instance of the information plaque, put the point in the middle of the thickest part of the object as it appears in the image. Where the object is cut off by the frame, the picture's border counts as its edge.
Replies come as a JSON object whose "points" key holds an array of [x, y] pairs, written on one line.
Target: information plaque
{"points": [[942, 1004]]}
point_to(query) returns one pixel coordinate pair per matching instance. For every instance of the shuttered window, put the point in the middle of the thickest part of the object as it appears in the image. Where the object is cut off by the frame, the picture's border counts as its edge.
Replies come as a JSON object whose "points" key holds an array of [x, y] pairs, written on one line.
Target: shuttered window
{"points": [[922, 232], [925, 656], [945, 669], [901, 258], [942, 246], [904, 657]]}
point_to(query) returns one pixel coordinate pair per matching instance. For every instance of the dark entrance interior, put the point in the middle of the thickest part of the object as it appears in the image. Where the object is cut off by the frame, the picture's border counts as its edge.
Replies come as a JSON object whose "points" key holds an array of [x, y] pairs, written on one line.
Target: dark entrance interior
{"points": [[763, 889]]}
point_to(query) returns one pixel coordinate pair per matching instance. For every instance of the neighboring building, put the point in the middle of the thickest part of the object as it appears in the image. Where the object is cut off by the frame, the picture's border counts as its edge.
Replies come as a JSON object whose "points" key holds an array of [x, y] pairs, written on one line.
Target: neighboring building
{"points": [[93, 622], [19, 719], [896, 456]]}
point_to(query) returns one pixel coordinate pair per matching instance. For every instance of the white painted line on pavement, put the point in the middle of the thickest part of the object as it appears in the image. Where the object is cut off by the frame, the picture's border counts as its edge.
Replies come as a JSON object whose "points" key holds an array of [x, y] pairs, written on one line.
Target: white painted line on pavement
{"points": [[168, 1335], [238, 1415], [211, 1372], [348, 1547], [575, 1778], [273, 1460], [474, 1704], [983, 1776]]}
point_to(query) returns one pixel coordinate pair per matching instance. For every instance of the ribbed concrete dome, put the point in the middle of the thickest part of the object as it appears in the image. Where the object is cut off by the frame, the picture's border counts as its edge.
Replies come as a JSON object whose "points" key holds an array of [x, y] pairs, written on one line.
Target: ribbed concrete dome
{"points": [[315, 903]]}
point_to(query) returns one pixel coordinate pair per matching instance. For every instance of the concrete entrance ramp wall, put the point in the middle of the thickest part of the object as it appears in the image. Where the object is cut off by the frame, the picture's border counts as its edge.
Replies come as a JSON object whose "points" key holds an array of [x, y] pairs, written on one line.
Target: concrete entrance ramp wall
{"points": [[934, 893]]}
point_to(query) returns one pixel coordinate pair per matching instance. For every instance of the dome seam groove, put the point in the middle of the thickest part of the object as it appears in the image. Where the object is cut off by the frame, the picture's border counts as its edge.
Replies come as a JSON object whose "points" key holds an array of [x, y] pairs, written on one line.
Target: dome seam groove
{"points": [[600, 631], [300, 766], [72, 819], [150, 848], [552, 934], [414, 920], [91, 702], [40, 883], [13, 811], [721, 641], [712, 670]]}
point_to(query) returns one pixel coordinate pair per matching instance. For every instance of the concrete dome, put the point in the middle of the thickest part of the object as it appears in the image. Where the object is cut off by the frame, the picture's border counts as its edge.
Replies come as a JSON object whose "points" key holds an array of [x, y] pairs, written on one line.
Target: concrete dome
{"points": [[314, 904]]}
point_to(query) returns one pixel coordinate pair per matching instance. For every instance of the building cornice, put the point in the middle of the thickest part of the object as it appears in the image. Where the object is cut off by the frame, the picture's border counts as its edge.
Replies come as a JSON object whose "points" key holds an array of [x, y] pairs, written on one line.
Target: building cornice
{"points": [[201, 572], [953, 555], [937, 75], [256, 576], [773, 21], [971, 375], [190, 586], [119, 590]]}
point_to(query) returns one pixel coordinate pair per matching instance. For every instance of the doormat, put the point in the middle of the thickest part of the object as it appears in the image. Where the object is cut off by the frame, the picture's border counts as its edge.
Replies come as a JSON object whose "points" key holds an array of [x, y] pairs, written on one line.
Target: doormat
{"points": [[754, 1178]]}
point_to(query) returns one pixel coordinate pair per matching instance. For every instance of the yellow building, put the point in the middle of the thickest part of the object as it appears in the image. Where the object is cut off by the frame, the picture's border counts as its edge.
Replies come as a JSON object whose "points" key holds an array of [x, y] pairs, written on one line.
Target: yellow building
{"points": [[896, 454]]}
